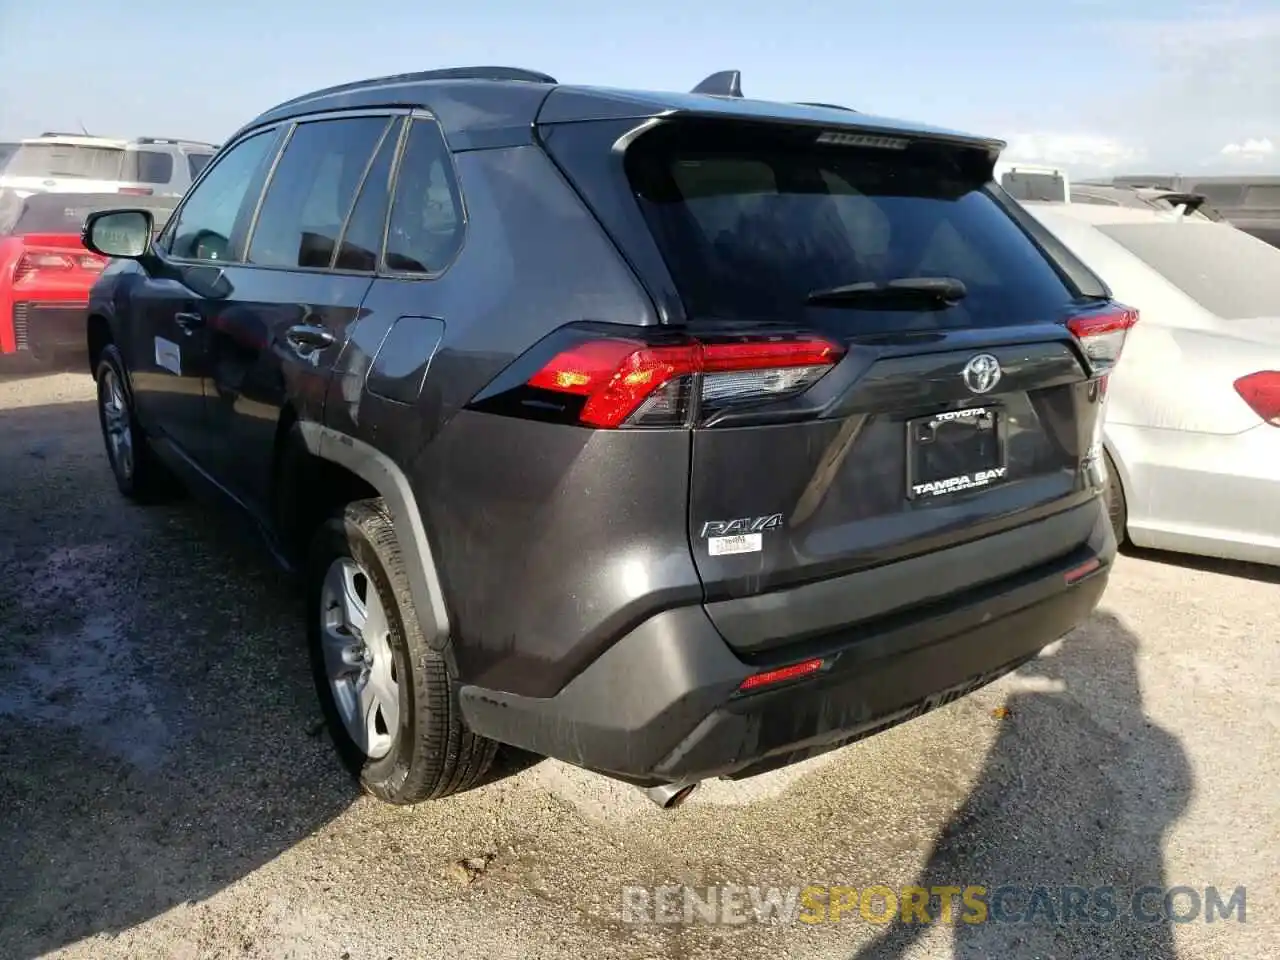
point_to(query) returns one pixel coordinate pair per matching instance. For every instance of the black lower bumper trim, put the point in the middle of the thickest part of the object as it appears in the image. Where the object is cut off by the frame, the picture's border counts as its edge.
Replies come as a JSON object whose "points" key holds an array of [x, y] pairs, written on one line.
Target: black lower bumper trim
{"points": [[661, 705]]}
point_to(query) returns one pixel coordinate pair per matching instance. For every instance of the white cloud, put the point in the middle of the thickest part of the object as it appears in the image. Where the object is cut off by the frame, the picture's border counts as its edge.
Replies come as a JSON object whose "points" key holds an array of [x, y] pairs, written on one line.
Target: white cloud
{"points": [[1254, 150], [1206, 76], [1084, 152]]}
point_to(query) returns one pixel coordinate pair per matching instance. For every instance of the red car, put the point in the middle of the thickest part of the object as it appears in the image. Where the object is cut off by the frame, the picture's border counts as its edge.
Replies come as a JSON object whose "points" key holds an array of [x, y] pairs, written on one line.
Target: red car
{"points": [[45, 272]]}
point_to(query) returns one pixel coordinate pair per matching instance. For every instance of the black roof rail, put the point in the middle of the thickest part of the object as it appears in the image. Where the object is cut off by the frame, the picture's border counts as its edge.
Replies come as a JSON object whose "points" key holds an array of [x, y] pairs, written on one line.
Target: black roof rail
{"points": [[59, 133], [829, 106], [424, 76], [726, 83]]}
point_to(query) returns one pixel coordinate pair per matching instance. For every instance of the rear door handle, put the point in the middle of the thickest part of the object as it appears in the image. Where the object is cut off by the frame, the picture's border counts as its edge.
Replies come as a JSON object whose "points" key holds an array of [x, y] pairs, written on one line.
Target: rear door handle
{"points": [[189, 322], [305, 335]]}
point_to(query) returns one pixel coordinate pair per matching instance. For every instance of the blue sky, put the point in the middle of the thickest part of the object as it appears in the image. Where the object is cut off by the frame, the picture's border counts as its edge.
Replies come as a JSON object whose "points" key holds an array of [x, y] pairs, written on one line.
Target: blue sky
{"points": [[1091, 84]]}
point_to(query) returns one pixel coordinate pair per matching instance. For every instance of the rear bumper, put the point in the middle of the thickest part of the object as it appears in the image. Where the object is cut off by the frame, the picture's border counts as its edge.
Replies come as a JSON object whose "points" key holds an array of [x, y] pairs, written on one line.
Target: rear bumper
{"points": [[662, 704], [45, 328]]}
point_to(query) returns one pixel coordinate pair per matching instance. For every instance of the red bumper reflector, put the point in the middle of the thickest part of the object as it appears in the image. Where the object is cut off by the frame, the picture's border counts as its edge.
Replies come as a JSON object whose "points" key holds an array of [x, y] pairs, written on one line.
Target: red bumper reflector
{"points": [[1079, 573], [792, 672]]}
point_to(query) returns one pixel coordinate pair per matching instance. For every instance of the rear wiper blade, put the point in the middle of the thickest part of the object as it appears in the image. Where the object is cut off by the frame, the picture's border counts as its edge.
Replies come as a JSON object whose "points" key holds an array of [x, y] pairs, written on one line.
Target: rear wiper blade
{"points": [[917, 292]]}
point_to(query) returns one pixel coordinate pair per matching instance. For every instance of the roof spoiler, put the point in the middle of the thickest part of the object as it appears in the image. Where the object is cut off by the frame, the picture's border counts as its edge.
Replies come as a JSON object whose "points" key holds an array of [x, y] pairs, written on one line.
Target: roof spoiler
{"points": [[1192, 201], [726, 83]]}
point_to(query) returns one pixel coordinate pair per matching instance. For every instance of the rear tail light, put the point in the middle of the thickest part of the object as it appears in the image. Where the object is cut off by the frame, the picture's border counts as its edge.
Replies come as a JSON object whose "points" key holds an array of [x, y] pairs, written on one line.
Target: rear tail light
{"points": [[619, 382], [1102, 335], [1261, 391], [136, 191], [31, 261]]}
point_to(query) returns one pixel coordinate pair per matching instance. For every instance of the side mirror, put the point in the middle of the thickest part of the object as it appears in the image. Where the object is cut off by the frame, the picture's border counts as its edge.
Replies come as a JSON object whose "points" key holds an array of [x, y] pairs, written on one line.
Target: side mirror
{"points": [[119, 233]]}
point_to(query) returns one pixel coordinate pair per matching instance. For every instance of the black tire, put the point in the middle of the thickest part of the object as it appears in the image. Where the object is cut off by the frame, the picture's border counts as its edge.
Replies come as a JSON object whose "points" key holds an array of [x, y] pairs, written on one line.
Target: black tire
{"points": [[433, 754], [1117, 508], [141, 477]]}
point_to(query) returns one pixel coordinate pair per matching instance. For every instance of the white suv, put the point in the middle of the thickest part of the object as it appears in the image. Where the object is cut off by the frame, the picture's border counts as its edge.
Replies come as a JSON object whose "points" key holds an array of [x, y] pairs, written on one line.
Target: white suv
{"points": [[67, 163]]}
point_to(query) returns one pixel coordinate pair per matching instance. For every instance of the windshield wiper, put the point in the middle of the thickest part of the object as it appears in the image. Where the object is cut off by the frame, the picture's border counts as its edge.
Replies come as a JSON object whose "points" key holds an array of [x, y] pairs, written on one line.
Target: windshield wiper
{"points": [[908, 292]]}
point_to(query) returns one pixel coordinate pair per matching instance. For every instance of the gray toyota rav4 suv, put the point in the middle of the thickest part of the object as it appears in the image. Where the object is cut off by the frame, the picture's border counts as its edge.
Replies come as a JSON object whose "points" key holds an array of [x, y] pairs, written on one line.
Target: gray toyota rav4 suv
{"points": [[672, 435]]}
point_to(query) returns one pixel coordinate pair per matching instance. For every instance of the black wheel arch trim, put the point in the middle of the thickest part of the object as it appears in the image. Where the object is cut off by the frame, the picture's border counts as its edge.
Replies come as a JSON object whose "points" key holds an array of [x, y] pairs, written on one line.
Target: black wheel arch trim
{"points": [[381, 472]]}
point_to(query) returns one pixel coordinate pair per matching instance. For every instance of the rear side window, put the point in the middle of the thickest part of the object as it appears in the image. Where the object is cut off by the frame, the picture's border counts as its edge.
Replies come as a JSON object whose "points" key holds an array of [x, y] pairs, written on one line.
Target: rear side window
{"points": [[196, 162], [426, 226], [311, 191], [1226, 271], [65, 160], [750, 229], [362, 238]]}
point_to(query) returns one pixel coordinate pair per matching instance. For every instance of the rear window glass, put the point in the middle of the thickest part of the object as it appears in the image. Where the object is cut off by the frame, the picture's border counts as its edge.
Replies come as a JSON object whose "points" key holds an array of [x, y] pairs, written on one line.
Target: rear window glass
{"points": [[1035, 186], [1225, 270], [749, 230], [1220, 194], [1263, 195], [153, 166], [65, 160], [65, 213]]}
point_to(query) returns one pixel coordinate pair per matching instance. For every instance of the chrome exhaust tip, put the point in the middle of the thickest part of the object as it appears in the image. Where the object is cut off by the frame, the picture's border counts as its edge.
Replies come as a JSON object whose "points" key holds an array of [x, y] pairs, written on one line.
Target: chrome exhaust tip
{"points": [[670, 795]]}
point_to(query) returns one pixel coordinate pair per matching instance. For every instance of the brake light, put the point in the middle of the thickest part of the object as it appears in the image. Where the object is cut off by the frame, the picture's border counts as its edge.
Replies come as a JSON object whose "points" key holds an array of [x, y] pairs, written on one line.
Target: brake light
{"points": [[136, 191], [1102, 335], [628, 382], [1261, 391], [31, 261]]}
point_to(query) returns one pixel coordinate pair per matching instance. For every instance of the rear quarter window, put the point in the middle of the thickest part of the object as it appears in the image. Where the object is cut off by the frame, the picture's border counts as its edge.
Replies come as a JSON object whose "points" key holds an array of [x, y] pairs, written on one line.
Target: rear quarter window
{"points": [[748, 231]]}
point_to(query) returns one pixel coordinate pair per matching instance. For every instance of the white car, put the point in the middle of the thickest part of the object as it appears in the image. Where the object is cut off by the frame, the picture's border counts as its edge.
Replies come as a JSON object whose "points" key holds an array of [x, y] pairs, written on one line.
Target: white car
{"points": [[1193, 408], [67, 163]]}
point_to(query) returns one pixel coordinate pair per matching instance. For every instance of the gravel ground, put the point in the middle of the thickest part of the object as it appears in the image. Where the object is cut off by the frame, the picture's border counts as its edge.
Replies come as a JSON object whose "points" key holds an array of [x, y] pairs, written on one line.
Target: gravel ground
{"points": [[167, 792]]}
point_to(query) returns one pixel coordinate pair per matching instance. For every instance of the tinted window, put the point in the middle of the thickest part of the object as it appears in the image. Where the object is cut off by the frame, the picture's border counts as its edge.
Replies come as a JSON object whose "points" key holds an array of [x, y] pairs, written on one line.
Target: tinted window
{"points": [[1220, 194], [1223, 269], [204, 225], [749, 231], [311, 191], [426, 225], [1034, 186], [153, 166], [65, 160], [363, 237], [197, 162], [1265, 195]]}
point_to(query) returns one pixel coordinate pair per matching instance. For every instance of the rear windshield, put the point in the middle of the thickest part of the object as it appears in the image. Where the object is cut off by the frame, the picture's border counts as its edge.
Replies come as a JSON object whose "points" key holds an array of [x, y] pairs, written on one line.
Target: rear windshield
{"points": [[750, 227], [1226, 271], [65, 213], [65, 160], [1035, 186]]}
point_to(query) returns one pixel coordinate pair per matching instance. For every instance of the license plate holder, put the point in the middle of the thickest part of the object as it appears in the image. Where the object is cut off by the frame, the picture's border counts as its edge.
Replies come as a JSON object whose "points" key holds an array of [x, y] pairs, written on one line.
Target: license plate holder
{"points": [[954, 452]]}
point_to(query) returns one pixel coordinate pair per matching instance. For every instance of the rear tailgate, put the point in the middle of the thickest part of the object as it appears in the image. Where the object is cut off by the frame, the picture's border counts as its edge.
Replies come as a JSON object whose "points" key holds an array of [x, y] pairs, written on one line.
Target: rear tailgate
{"points": [[939, 422]]}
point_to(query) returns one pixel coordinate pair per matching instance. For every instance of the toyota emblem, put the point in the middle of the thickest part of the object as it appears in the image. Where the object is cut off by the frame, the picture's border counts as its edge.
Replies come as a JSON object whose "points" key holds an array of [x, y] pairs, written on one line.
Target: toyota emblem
{"points": [[982, 373]]}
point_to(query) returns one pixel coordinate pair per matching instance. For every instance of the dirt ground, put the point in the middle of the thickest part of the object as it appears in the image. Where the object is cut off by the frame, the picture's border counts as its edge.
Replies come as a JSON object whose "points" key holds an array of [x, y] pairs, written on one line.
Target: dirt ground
{"points": [[166, 790]]}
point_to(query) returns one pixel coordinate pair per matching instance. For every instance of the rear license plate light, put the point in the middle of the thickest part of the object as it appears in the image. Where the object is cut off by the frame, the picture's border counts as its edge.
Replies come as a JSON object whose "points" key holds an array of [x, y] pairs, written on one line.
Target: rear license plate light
{"points": [[954, 452]]}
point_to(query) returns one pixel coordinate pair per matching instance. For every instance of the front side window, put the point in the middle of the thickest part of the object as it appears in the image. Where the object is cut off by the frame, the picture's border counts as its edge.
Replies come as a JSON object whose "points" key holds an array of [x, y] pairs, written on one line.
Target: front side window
{"points": [[312, 190], [427, 222], [205, 223]]}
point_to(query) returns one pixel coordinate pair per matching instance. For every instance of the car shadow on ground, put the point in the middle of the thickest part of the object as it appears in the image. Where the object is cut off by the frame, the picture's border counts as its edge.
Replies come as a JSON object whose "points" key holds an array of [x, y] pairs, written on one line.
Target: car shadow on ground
{"points": [[1228, 568], [157, 720], [1078, 790]]}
